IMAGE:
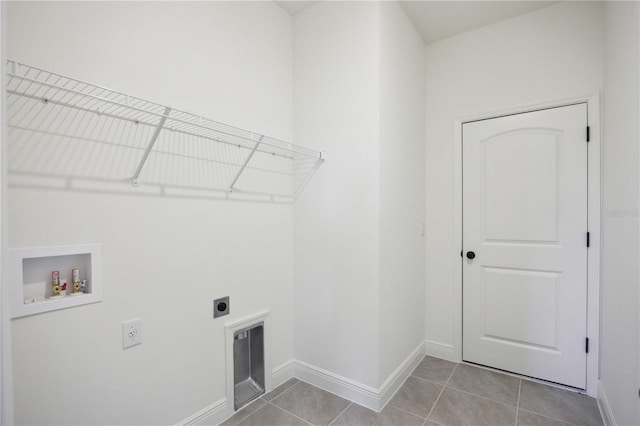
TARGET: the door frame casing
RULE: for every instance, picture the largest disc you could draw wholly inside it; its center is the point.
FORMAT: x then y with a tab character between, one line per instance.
593	213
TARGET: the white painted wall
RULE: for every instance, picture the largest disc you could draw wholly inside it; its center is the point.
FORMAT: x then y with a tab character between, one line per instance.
620	321
551	53
356	227
359	255
6	403
164	259
336	219
402	204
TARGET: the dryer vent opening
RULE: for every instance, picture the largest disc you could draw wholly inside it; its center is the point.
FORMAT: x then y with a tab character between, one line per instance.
248	364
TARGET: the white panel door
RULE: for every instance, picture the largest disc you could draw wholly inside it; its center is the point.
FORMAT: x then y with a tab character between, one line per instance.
525	220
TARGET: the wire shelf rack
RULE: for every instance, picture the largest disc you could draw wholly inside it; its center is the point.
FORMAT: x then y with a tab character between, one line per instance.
62	127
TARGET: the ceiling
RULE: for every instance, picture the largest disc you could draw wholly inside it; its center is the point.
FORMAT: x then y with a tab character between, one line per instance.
436	20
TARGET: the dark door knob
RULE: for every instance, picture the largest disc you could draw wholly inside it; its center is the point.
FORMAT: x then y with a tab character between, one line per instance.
471	255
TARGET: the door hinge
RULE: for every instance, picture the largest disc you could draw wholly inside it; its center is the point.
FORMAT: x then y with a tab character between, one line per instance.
588	240
586	345
588	133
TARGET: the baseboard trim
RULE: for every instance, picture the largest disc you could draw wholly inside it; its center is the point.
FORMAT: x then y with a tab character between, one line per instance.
219	411
605	407
439	350
398	377
282	373
213	414
367	396
350	389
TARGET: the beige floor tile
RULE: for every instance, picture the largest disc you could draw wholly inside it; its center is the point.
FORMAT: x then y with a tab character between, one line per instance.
416	396
561	404
270	415
525	418
311	403
357	415
487	384
461	408
280	389
434	369
244	412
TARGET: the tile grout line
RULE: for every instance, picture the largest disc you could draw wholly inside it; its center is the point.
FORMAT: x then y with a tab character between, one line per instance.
405	411
269	403
566	391
283	392
530	411
482	397
251	414
427	380
548	417
341	413
289	412
293	414
389	404
493	373
518	402
440	394
244	408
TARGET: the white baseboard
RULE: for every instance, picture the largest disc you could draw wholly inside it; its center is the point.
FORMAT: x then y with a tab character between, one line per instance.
212	415
282	373
439	350
352	390
397	378
605	407
219	411
367	396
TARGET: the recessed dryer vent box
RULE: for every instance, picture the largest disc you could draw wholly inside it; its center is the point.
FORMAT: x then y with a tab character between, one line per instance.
248	364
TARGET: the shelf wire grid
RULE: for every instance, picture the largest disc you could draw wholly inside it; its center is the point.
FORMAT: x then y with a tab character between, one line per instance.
63	127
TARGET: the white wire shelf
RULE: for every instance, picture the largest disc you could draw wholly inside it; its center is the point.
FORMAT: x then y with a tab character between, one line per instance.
62	127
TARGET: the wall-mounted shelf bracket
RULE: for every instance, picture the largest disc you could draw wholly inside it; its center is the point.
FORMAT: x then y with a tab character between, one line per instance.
244	166
153	140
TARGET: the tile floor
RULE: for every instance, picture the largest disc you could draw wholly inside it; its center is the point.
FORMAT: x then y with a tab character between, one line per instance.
438	392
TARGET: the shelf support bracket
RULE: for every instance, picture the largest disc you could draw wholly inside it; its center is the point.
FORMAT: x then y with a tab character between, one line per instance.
244	166
167	110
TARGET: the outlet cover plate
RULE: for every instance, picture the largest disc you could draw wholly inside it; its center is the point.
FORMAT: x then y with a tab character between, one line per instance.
131	333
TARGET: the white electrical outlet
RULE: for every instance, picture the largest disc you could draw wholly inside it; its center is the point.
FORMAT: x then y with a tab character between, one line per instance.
131	333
